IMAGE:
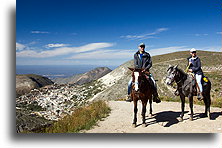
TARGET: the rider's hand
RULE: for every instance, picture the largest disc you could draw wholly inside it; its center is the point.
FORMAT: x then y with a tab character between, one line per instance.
190	70
143	70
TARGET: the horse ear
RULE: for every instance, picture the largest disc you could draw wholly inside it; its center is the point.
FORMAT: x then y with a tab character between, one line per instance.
175	66
169	67
132	69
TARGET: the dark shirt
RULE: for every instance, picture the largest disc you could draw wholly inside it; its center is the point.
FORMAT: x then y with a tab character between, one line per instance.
195	65
145	62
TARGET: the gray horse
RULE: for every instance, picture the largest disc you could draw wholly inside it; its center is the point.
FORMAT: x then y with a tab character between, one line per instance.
186	87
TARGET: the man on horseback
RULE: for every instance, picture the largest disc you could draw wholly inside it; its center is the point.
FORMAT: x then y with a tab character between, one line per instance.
143	60
194	66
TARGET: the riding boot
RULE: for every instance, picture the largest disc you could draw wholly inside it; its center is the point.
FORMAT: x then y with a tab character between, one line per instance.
129	99
200	96
155	93
156	97
177	92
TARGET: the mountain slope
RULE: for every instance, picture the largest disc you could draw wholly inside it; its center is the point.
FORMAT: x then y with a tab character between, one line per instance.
84	78
115	83
25	83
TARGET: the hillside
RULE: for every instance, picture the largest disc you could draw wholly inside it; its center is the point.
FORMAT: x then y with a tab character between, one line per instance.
85	77
115	83
25	83
40	107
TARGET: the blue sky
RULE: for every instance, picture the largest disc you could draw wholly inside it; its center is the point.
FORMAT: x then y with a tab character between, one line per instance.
107	32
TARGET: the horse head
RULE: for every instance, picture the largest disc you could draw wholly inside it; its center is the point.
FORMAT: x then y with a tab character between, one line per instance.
137	77
172	72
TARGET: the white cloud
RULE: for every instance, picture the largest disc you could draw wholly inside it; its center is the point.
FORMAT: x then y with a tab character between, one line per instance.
26	53
20	47
211	48
39	32
32	43
204	34
105	55
55	45
62	50
165	50
219	33
161	29
128	54
125	54
144	36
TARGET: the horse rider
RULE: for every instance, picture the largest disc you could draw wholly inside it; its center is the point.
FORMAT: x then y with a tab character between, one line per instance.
143	60
194	66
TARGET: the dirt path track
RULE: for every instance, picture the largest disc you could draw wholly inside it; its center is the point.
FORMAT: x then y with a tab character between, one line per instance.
164	119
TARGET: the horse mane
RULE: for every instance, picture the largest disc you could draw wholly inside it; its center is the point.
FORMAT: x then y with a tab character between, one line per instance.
182	73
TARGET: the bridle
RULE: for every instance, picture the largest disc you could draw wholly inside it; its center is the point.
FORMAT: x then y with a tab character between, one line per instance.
139	81
171	77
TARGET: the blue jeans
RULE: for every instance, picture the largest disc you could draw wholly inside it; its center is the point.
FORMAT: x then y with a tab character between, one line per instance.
129	86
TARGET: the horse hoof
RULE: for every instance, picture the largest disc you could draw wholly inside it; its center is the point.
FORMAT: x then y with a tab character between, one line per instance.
143	125
150	115
204	115
191	118
134	125
208	115
180	119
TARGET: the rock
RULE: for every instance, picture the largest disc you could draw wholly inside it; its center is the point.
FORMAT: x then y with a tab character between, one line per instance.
28	82
27	122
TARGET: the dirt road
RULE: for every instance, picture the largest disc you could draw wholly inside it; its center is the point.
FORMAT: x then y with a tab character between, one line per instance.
164	119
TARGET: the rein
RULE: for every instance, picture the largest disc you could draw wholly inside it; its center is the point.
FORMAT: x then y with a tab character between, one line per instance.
181	81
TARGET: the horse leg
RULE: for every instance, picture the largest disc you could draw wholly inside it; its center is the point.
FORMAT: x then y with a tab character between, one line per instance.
207	103
144	103
135	113
151	109
191	107
182	97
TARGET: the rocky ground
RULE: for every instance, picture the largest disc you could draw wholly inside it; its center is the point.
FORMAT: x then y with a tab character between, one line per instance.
50	103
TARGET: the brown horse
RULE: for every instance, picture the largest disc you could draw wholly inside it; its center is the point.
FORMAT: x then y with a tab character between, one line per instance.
141	90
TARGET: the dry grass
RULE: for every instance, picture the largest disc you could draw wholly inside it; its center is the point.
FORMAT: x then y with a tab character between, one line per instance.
81	119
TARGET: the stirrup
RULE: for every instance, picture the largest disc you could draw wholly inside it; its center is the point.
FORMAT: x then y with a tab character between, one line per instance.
176	93
199	96
129	99
156	99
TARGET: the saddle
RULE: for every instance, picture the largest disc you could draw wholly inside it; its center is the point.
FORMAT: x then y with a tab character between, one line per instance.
196	88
